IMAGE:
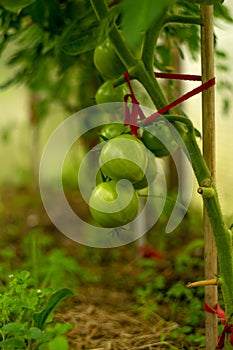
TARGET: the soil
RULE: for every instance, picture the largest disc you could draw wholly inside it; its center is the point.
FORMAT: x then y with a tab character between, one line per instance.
104	320
103	314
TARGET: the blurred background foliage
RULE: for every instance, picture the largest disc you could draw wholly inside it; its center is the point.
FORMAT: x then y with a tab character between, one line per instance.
48	72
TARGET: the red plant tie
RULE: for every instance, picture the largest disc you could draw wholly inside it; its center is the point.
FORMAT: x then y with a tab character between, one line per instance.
181	99
131	116
228	328
178	76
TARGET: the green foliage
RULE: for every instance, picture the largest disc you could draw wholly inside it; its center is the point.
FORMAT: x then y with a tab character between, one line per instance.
41	317
52	266
154	293
15	5
138	16
40	34
84	35
187	260
27	310
62	36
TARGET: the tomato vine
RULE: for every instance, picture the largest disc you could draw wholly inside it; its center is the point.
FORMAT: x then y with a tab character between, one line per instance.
143	71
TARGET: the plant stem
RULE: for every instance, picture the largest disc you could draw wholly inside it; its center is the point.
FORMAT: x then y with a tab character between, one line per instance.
182	19
222	234
151	85
149	45
121	48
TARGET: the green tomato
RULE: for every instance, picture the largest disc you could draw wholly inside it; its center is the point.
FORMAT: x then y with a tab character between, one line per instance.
107	62
114	204
124	157
109	131
151	138
108	93
15	5
151	172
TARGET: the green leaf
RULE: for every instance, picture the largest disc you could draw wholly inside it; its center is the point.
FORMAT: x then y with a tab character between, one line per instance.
12	328
15	5
35	333
138	16
59	343
85	34
41	317
221	11
13	343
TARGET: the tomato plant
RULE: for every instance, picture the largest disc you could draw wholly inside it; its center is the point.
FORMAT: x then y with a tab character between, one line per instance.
124	157
106	60
114	204
51	35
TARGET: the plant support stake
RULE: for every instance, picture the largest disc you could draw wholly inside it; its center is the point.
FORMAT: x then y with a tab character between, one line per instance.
208	130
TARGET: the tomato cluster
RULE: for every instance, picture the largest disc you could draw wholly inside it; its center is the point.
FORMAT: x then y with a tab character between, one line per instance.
126	166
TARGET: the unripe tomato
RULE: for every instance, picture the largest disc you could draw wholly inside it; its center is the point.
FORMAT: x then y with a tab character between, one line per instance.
153	143
114	204
151	172
108	93
109	131
107	62
124	157
15	5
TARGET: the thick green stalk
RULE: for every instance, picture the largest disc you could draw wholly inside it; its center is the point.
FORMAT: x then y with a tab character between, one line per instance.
151	38
222	234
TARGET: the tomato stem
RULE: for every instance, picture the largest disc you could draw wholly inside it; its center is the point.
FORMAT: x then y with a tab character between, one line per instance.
222	234
182	19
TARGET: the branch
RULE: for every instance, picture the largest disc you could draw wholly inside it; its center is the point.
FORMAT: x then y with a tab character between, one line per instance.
182	19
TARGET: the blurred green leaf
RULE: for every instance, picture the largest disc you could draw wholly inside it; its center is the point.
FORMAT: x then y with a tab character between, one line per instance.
59	343
223	12
138	16
41	317
85	34
12	343
15	5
